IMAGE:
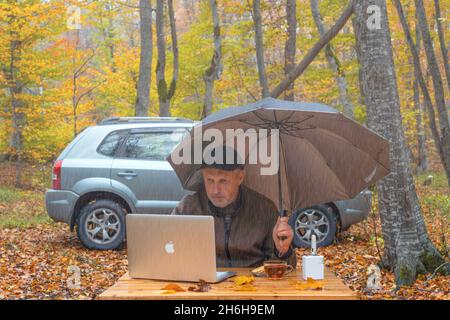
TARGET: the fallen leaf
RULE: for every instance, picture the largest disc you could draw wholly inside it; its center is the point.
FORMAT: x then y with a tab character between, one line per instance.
40	248
245	287
168	292
173	286
241	280
309	284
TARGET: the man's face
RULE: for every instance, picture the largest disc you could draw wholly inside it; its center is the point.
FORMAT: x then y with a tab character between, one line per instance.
222	187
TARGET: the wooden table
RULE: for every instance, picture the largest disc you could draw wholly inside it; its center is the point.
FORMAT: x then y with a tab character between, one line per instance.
334	289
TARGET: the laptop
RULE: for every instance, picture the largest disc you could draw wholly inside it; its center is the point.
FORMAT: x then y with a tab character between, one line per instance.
172	247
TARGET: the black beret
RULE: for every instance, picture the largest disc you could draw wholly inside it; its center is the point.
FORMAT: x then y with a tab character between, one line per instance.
236	162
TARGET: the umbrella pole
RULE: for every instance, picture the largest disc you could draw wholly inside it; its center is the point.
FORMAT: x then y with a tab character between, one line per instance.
280	196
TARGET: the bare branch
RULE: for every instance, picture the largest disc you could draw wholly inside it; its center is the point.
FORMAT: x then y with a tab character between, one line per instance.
306	61
88	92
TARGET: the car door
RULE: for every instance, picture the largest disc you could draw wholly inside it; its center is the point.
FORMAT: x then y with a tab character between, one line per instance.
140	169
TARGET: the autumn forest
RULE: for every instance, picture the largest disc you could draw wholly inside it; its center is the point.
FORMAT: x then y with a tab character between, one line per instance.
68	64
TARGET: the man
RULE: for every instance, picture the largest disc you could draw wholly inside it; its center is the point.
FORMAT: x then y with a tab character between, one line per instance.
248	228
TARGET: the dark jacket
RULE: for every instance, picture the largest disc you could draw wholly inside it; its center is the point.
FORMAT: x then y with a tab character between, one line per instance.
248	241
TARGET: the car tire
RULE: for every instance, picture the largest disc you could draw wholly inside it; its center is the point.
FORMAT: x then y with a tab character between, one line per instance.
101	225
319	220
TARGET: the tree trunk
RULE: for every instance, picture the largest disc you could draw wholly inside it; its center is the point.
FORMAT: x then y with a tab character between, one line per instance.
442	43
19	122
422	158
291	45
161	64
437	86
108	34
75	74
256	14
441	138
313	52
145	59
74	107
407	247
215	69
333	62
165	94
17	110
79	71
173	33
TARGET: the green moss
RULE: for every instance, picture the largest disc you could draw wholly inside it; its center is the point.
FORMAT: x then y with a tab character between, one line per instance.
421	269
432	260
405	276
162	90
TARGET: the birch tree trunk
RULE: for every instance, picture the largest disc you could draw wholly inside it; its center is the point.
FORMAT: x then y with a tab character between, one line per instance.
290	45
333	62
256	14
215	69
145	59
407	247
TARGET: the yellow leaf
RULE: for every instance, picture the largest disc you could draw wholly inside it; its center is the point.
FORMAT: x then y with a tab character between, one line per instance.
241	280
245	287
309	284
168	292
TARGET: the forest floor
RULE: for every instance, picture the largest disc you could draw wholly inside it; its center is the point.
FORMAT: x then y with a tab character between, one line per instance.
38	257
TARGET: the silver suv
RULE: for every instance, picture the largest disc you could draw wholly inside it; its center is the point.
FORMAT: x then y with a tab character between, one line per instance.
119	167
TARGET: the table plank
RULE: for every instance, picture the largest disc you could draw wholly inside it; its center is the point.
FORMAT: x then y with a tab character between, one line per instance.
266	289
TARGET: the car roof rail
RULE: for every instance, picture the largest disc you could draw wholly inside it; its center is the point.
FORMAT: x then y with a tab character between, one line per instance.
122	120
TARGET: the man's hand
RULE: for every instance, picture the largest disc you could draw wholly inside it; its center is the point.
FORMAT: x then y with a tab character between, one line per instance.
282	235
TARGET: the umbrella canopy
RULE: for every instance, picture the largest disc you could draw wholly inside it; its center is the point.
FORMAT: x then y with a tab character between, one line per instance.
323	155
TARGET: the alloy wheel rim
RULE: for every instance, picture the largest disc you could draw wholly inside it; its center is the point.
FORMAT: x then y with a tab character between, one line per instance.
312	221
102	226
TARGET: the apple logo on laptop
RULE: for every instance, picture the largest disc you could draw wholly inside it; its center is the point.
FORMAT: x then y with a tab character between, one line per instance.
170	247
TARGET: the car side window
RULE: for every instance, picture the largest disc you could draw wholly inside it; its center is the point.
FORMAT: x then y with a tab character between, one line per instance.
151	145
111	143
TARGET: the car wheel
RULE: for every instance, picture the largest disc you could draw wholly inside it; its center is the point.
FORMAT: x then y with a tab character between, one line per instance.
101	225
318	220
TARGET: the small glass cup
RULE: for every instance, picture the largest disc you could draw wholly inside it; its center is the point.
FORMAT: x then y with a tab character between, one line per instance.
276	269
